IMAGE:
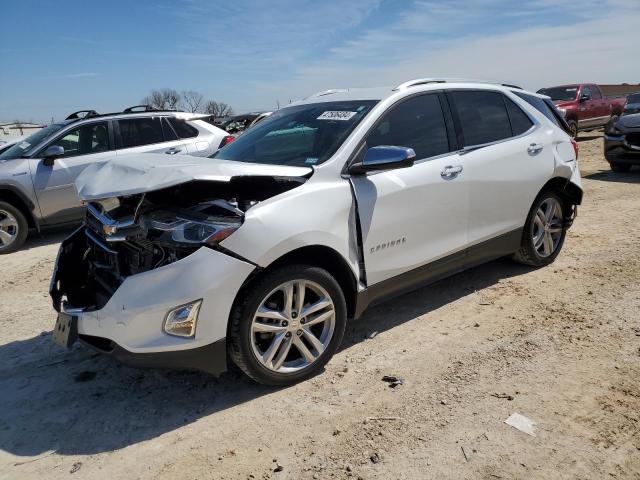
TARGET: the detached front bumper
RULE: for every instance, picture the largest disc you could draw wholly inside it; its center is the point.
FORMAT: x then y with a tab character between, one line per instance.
129	325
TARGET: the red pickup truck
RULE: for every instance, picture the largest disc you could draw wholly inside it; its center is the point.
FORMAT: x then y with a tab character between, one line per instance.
584	106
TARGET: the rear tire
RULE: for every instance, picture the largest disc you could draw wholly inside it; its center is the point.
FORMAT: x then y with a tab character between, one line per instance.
13	228
280	345
620	167
544	231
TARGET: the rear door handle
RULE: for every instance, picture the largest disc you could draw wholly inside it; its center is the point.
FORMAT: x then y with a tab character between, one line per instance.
451	171
172	151
534	148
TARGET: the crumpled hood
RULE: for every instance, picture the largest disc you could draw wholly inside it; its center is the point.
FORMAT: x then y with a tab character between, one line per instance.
146	172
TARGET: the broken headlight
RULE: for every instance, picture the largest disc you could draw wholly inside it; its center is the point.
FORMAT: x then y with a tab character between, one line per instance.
188	231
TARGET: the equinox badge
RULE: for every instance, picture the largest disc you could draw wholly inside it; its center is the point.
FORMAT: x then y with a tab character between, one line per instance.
392	243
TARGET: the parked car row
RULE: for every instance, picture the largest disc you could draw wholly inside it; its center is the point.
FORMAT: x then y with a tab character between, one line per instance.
37	174
584	106
260	253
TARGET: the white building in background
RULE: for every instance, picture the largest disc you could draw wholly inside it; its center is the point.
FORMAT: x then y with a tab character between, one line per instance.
13	130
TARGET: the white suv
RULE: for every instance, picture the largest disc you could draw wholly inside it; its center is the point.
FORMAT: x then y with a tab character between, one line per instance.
338	201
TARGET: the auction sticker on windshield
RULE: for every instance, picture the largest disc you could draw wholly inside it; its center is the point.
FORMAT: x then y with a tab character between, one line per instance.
337	115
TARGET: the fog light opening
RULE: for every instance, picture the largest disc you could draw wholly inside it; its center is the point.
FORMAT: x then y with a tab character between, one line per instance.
182	320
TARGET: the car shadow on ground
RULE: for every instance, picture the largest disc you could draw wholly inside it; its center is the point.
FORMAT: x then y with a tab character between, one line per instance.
81	402
591	136
632	176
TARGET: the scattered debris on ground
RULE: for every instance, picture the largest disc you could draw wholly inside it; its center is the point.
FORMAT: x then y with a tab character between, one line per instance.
502	395
521	423
393	380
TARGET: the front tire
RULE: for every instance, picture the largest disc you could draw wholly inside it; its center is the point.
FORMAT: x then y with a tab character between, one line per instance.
544	231
287	325
13	228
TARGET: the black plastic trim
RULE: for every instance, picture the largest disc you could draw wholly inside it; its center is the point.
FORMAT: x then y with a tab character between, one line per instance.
28	203
32	210
210	358
362	269
497	247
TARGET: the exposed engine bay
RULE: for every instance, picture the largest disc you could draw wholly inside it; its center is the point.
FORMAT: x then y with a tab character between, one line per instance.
124	236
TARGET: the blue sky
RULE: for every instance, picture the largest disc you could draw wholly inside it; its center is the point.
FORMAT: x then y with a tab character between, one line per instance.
61	56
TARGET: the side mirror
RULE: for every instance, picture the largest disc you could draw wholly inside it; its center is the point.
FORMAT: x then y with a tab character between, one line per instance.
51	153
383	158
584	97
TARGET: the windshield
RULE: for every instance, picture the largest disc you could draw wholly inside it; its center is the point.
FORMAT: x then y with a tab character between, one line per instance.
22	148
633	98
302	135
565	94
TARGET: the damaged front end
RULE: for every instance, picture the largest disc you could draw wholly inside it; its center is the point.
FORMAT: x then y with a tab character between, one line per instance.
128	235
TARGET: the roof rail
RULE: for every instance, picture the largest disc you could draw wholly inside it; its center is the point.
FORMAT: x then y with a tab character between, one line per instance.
87	114
424	81
419	81
144	108
331	91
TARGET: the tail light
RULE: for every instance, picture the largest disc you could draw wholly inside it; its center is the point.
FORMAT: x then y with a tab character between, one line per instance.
226	141
575	147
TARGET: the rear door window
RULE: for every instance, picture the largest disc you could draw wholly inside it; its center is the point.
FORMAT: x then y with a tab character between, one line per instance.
482	116
135	132
416	123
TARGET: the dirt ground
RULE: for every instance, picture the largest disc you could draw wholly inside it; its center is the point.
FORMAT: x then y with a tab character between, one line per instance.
560	345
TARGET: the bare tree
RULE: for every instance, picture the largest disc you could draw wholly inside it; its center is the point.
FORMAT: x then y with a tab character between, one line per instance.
155	100
172	98
192	101
217	109
165	99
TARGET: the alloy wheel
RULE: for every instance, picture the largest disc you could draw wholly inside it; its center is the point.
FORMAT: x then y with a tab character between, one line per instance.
8	229
293	326
547	227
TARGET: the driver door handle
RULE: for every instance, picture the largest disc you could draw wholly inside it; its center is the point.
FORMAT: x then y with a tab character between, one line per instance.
173	151
451	171
534	148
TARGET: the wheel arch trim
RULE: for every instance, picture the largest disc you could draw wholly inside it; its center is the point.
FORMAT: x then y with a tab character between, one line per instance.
565	188
14	196
320	256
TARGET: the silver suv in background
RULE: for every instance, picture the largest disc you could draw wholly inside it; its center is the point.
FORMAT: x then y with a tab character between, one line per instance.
37	174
